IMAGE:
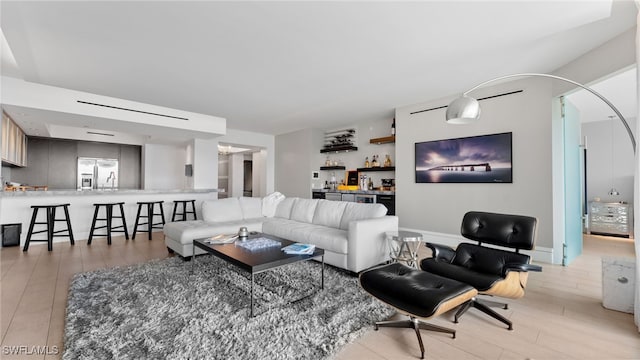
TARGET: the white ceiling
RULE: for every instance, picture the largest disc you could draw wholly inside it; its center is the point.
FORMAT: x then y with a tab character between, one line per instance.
620	89
276	67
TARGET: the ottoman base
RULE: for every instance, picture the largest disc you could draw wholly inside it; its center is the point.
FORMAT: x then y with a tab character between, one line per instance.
415	324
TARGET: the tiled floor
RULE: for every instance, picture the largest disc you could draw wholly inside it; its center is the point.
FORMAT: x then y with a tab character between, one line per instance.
560	317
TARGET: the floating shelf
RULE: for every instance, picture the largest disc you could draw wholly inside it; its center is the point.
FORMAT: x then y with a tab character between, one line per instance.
379	168
383	140
339	140
339	148
332	168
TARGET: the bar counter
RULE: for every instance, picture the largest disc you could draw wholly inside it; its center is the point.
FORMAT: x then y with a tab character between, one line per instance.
15	207
106	192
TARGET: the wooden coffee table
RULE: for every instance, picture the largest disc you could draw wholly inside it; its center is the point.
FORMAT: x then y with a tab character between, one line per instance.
256	261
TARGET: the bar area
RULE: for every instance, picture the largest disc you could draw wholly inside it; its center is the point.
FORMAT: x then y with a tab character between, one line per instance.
16	207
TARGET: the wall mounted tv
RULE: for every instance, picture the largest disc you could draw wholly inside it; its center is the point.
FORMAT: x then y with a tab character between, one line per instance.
475	159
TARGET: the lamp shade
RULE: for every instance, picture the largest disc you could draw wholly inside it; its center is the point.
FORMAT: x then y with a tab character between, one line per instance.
463	110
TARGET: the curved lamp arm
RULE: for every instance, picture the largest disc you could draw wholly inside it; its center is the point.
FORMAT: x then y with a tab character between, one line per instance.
467	107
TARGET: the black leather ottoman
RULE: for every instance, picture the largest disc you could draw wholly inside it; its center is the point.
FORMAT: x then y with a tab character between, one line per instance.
417	294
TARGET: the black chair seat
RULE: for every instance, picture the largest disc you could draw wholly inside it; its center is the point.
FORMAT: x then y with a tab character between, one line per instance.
416	292
480	281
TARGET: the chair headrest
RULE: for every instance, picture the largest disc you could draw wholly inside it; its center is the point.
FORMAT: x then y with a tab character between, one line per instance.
512	231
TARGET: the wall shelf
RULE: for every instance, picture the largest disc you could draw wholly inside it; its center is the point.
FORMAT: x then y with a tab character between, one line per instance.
332	167
339	140
379	168
383	140
338	149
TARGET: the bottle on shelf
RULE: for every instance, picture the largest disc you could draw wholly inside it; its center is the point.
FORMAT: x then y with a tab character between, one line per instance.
366	162
327	162
375	162
387	161
370	185
393	127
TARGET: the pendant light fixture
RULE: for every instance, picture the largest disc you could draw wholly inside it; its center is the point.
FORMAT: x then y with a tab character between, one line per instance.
613	191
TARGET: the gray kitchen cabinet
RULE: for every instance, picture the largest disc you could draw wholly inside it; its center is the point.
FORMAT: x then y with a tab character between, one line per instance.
62	164
14	143
129	167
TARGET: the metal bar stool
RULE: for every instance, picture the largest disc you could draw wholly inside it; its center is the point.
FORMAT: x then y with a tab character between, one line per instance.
150	205
185	211
109	216
50	213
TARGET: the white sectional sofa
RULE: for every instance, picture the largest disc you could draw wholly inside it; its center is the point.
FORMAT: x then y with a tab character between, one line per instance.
351	234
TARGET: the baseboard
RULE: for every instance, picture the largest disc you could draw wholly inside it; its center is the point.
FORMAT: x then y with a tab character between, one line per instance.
539	254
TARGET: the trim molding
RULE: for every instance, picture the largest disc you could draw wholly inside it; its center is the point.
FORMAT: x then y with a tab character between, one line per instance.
538	254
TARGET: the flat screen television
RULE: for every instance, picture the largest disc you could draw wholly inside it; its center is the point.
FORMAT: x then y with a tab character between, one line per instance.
475	159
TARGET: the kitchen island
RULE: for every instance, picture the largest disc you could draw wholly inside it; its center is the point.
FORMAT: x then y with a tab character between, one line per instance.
15	206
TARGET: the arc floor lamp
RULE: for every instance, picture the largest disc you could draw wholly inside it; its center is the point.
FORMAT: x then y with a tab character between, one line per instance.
466	110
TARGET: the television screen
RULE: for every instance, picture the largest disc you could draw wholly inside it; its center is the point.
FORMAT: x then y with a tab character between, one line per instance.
475	159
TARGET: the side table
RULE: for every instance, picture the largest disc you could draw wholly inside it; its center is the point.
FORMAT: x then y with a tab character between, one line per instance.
403	246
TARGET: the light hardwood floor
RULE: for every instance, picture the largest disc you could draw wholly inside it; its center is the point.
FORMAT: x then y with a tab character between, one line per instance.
560	317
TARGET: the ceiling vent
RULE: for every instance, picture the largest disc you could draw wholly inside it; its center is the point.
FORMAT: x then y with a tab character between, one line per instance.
132	110
97	133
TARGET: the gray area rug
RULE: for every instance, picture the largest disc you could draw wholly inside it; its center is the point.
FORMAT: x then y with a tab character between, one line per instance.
160	310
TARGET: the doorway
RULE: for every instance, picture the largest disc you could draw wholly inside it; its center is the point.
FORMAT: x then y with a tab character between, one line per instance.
241	170
609	170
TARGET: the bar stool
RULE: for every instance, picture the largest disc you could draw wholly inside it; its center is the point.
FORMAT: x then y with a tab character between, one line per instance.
150	205
109	216
50	212
184	211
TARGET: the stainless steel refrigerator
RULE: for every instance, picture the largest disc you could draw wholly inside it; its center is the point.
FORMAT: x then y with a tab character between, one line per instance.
97	174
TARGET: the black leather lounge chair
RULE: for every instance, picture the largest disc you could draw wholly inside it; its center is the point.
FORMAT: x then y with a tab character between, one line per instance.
491	271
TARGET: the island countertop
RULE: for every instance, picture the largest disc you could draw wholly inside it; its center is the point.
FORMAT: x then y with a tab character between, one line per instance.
74	192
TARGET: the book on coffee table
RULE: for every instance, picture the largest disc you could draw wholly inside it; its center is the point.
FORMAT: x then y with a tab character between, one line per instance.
299	249
221	239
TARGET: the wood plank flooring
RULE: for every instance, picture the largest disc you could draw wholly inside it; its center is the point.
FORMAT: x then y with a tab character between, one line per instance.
560	317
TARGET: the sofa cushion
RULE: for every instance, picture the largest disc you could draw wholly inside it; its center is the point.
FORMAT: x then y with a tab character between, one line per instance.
329	213
284	208
270	203
330	239
251	207
303	210
358	211
221	210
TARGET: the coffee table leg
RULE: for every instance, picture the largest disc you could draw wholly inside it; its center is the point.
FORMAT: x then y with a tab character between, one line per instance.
322	283
251	294
193	255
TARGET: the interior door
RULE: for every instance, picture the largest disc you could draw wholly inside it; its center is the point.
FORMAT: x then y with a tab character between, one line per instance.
572	183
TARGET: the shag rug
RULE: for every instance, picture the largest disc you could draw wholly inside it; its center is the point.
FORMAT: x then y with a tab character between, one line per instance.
159	310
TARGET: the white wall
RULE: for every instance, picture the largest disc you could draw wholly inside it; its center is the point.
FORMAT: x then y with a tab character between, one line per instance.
439	208
603	165
236	175
205	164
258	173
163	167
297	154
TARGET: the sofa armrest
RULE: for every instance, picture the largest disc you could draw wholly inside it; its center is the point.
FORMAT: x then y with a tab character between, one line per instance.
367	244
441	252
